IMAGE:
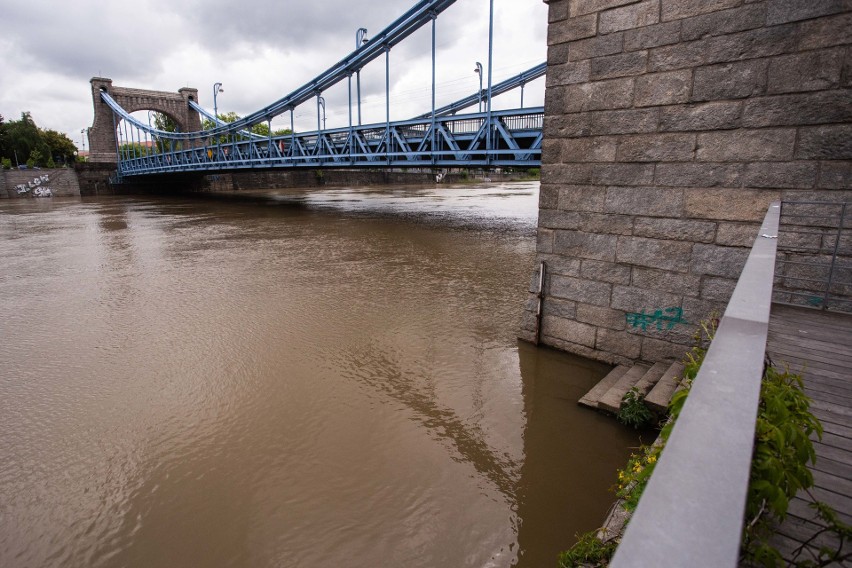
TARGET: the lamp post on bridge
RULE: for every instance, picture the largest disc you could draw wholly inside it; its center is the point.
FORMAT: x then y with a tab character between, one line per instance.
360	39
478	71
217	88
320	104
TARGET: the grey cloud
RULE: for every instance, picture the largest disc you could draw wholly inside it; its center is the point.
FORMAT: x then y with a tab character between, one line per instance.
84	38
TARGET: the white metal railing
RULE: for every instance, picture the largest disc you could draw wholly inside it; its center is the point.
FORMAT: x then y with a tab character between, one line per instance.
691	512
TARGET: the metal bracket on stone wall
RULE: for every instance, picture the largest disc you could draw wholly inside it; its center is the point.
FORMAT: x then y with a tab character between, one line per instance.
540	297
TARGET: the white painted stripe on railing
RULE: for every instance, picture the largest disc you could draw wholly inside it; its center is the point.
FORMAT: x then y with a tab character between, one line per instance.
691	512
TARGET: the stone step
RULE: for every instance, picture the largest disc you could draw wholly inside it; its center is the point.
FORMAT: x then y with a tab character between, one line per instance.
660	396
611	399
591	398
652	377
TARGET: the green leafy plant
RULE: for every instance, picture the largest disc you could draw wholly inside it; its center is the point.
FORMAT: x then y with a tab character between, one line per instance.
589	549
635	475
633	411
782	451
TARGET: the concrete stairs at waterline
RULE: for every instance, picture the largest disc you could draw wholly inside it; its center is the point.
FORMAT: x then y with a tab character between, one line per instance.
656	382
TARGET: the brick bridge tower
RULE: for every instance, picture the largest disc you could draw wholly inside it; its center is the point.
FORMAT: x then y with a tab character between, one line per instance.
102	137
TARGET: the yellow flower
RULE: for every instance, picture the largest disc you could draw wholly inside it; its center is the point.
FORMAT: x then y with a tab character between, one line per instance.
652	459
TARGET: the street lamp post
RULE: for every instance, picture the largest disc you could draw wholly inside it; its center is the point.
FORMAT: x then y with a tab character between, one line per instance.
83	138
217	88
360	39
478	71
320	105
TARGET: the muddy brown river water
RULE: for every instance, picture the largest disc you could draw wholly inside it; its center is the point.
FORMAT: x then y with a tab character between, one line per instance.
318	378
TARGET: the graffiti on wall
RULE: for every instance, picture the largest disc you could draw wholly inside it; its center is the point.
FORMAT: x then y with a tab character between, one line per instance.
661	318
36	186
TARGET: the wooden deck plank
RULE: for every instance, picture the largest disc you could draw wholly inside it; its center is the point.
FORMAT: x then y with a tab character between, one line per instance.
832	453
828	360
818	345
828	384
832	409
801	508
821	318
834	483
830	395
844	430
832	439
831	466
815	338
799	365
802	530
783	325
811	337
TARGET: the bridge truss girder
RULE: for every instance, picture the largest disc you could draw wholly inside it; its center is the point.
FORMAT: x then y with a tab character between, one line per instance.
513	139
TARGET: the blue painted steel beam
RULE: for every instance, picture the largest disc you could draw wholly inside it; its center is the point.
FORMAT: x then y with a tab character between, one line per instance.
460	140
419	15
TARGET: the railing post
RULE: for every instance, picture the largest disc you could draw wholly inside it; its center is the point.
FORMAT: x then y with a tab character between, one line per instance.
837	238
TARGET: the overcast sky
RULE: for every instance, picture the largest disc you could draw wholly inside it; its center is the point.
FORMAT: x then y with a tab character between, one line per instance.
261	50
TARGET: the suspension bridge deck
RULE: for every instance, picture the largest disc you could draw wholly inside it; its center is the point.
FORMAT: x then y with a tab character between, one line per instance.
819	345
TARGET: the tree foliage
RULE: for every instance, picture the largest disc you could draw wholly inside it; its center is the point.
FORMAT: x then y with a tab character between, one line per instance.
261	128
168	124
22	141
61	147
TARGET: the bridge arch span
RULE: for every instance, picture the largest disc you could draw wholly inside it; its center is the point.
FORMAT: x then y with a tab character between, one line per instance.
102	134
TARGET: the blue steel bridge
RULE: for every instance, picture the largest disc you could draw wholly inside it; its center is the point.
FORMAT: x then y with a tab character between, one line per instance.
445	137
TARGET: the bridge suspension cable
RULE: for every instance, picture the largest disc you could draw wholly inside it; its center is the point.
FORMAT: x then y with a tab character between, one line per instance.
518	80
419	15
440	138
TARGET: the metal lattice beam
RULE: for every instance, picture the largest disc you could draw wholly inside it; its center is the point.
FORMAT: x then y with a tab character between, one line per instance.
460	140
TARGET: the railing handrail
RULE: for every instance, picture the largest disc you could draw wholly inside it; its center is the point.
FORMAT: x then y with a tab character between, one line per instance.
691	512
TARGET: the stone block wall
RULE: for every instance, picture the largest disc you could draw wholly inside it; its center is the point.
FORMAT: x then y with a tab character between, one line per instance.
93	177
62	182
670	125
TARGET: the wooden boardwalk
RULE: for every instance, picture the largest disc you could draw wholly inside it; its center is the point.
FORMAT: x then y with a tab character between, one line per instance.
819	344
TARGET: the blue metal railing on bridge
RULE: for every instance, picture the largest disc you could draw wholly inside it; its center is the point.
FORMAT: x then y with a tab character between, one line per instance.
436	139
454	141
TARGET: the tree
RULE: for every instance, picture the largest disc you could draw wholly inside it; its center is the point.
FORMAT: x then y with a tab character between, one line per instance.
133	150
165	122
261	128
2	136
61	147
168	124
22	138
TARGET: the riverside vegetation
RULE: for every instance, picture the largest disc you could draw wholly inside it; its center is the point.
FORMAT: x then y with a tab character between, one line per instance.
780	459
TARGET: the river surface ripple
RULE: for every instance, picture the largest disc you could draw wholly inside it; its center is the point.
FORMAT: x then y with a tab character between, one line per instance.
303	378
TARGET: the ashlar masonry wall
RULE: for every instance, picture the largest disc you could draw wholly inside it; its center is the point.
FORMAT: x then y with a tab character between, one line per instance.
670	125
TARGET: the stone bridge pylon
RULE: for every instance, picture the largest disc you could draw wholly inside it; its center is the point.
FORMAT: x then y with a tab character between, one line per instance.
102	134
